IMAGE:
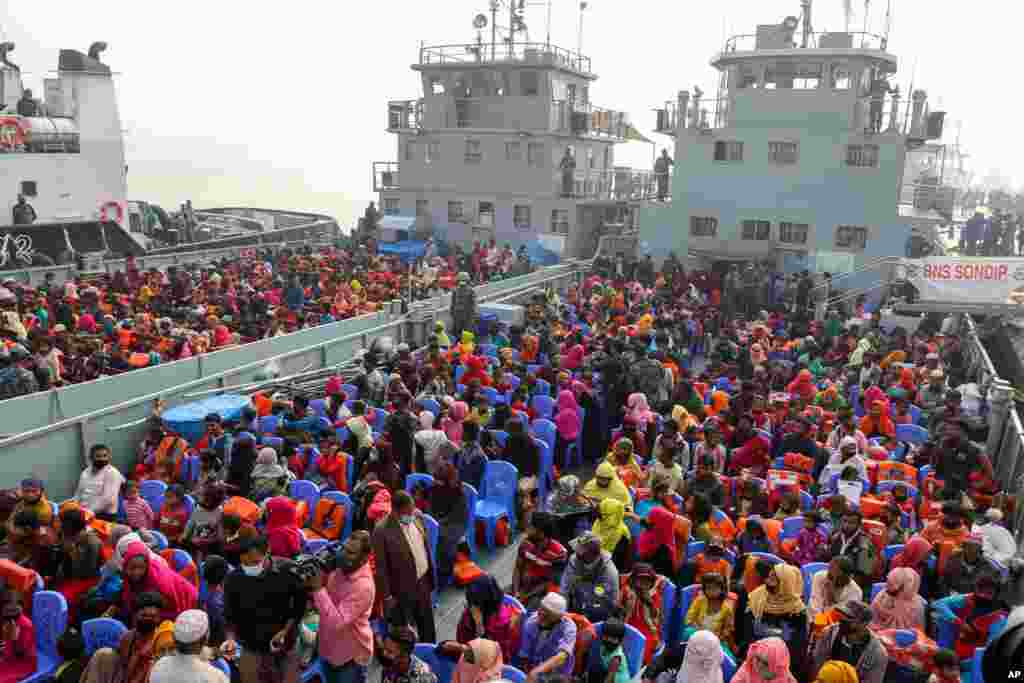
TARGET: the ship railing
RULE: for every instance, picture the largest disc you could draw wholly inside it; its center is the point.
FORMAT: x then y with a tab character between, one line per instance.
620	183
666	118
877	264
577	118
385	175
929	196
405	114
706	113
541	54
859	40
881	113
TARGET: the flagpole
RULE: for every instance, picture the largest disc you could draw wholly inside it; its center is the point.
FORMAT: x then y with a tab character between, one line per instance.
579	40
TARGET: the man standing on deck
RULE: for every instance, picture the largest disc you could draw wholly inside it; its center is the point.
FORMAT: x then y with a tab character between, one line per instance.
661	166
463	307
23	213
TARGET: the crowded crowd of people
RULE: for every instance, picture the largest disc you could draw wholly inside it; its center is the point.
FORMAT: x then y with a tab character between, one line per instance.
59	334
692	492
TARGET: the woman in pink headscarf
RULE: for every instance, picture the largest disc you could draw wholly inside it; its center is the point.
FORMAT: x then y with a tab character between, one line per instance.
573	358
87	323
639	410
144	572
702	662
567	420
767	662
452	425
899	605
283	535
221	336
481	661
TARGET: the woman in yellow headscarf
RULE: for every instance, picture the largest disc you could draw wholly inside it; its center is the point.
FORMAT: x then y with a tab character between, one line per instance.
834	671
683	419
623	459
776	604
610	526
442	337
606	484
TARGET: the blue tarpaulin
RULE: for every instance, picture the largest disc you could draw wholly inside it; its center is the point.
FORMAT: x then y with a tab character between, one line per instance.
187	420
539	255
408	250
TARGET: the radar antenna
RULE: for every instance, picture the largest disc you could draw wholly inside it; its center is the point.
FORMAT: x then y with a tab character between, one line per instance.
5	48
96	48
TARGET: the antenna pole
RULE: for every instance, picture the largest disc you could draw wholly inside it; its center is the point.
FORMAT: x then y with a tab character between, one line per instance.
511	28
494	28
548	44
579	40
864	33
910	97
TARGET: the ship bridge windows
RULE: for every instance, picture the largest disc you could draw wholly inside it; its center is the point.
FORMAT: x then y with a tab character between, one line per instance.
793	233
521	216
485	214
779	76
862	156
853	237
807	76
703	226
745	76
756	230
529	83
560	221
391	206
783	153
840	77
473	153
436	86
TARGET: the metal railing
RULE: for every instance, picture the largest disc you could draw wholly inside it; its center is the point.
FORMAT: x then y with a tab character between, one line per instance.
405	114
881	113
541	54
666	118
850	40
575	118
615	184
927	196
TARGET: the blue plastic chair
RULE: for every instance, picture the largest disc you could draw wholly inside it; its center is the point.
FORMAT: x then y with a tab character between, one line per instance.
904	637
533	368
492	396
977	673
180	559
343	499
633	645
668	608
443	667
543	405
50	617
313	546
319	407
380	416
223	667
500	437
307	491
153	491
418	478
684	598
791	527
489	350
914	434
892	551
102	632
545	430
471	497
460	370
806	501
514	381
542	388
876	588
190	504
500	484
808	571
275	442
161	540
433	533
729	666
431	405
351	391
510	673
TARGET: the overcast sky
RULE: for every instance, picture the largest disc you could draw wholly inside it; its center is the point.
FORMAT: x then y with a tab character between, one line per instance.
283	105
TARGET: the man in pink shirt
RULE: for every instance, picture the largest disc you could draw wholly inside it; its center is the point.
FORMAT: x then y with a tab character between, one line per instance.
346	639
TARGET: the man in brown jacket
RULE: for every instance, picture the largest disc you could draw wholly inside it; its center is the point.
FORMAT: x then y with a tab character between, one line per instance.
405	571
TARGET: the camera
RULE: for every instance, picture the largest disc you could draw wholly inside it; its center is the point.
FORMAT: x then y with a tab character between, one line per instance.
325	561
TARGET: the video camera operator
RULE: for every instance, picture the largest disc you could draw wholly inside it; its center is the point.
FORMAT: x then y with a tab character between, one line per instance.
344	597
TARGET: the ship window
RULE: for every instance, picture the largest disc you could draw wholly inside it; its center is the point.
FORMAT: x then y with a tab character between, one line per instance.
757	230
29	188
746	76
840	77
436	86
521	216
851	237
793	233
391	206
560	221
728	150
422	207
529	83
433	151
779	76
590	157
455	214
473	154
782	153
607	156
513	151
535	154
703	226
485	214
862	156
808	77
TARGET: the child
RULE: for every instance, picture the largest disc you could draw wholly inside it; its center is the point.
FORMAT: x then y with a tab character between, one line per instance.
712	610
215	571
71	648
210	467
204	532
947	667
174	515
359	426
712	561
137	511
809	541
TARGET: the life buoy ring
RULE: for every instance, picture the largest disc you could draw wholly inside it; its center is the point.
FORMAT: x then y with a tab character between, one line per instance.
116	208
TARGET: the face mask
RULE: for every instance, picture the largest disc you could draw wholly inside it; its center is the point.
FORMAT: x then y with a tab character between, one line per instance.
146	626
252	569
406	519
100	464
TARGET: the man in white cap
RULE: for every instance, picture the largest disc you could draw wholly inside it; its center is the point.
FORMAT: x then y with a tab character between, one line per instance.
191	632
548	640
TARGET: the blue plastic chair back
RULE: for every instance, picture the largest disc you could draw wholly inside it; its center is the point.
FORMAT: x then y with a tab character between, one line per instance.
511	600
319	407
267	424
302	489
343	499
668	606
102	632
545	430
510	673
380	416
460	370
50	618
543	405
905	637
431	405
180	559
911	434
791	527
315	545
514	381
729	666
542	388
501	480
418	479
351	391
190	504
492	396
533	368
876	588
471	499
161	540
500	437
433	533
694	548
977	673
633	645
152	491
806	501
685	598
891	551
808	571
